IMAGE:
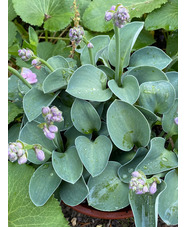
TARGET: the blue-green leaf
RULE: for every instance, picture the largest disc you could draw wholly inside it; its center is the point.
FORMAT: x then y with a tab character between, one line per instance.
43	183
173	79
127	126
58	62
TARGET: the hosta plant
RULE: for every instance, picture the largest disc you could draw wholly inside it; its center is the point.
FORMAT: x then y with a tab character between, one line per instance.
106	131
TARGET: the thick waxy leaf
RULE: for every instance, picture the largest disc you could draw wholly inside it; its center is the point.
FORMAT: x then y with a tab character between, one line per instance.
13	111
32	134
99	42
33	102
73	194
58	62
13	132
145	207
157	96
150	116
173	79
43	183
129	92
128	36
56	80
108	71
22	212
55	14
168	203
166	17
127	126
67	165
124	172
122	157
158	159
150	56
93	17
146	73
107	192
89	82
84	117
168	122
94	155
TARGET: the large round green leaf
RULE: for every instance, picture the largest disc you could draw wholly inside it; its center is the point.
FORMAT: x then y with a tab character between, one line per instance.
173	79
99	42
67	165
84	117
128	36
145	207
73	194
107	192
168	122
168	203
32	134
129	92
89	83
55	14
158	159
58	62
157	96
146	73
43	183
150	56
94	154
127	126
124	172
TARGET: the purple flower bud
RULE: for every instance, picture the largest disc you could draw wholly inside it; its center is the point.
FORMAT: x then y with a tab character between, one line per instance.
153	188
113	8
12	156
108	15
22	159
145	189
20	152
22	52
25	54
53	128
76	34
45	110
136	174
40	154
29	75
36	63
121	16
139	192
54	110
176	120
48	134
90	45
49	117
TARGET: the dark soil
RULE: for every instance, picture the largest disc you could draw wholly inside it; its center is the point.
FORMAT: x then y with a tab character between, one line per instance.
80	220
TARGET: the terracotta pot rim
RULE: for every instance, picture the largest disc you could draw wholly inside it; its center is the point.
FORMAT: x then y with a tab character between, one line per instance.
85	209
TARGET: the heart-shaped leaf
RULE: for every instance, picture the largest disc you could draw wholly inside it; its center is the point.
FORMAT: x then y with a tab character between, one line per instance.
145	207
124	172
33	102
168	122
67	165
55	14
107	192
127	126
128	36
99	42
94	155
173	79
56	80
43	183
89	86
157	96
146	73
158	159
79	189
150	56
32	134
168	203
58	62
84	117
129	92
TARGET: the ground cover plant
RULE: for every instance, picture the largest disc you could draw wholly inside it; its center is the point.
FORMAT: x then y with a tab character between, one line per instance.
93	109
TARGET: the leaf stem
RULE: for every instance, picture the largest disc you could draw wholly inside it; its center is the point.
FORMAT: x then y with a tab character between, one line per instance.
46	35
15	72
91	56
58	142
117	39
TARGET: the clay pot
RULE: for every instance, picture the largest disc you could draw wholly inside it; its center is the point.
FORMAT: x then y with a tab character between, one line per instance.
89	211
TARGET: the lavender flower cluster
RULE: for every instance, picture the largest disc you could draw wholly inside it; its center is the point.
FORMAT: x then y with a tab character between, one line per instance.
139	184
17	152
119	14
76	34
25	54
51	115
